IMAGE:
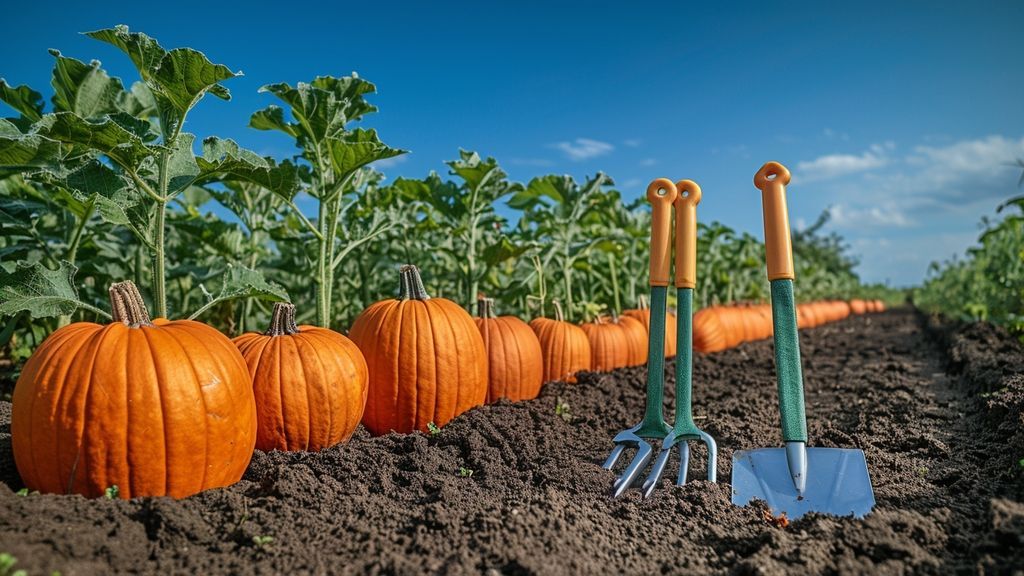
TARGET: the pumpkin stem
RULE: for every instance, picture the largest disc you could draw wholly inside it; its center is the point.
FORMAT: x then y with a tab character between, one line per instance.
127	305
558	310
411	284
642	304
485	307
282	320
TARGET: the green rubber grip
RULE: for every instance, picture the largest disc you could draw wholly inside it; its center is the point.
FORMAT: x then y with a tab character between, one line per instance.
787	362
653	424
684	427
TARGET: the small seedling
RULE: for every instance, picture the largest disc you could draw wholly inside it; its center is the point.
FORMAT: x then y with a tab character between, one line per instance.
922	471
1020	463
434	429
465	472
262	542
112	493
22	492
7	563
562	410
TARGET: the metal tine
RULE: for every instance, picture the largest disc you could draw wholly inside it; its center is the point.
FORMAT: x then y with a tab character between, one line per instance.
684	462
632	472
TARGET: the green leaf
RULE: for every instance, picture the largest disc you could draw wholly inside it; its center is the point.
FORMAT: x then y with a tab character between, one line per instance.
242	282
139	102
182	168
272	118
84	89
227	160
40	291
116	136
27	152
25	100
356	149
504	249
348	91
317	112
185	75
145	52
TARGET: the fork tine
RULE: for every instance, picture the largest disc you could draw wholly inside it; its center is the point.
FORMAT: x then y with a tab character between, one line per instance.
633	470
613	457
656	471
712	457
684	462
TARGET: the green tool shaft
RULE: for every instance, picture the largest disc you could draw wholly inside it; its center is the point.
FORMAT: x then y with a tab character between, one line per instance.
787	362
653	425
684	427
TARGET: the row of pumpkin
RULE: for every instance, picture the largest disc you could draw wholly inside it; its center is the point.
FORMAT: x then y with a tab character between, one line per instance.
174	407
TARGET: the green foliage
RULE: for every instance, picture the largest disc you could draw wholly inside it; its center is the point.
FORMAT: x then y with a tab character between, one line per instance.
7	563
262	541
434	429
562	410
987	284
106	186
112	492
465	472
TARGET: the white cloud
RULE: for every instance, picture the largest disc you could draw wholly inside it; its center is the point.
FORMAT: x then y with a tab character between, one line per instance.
833	135
835	165
648	162
632	143
583	149
390	162
874	216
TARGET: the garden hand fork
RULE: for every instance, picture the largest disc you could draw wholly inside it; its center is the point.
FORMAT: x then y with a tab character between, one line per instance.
685	429
661	193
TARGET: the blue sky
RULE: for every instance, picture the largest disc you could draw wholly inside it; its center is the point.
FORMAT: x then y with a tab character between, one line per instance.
901	118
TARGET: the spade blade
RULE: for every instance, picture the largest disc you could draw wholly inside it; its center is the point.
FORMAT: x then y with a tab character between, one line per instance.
837	482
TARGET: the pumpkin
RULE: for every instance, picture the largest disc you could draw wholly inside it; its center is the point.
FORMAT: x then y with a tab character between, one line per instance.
565	347
636	340
426	358
514	359
309	382
879	306
160	408
608	346
858	306
708	333
643	313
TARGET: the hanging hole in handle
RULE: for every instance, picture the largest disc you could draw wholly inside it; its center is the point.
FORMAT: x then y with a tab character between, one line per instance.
662	192
686	193
771	176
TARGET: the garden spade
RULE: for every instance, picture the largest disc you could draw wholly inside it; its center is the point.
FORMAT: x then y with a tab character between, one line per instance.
661	193
685	429
794	480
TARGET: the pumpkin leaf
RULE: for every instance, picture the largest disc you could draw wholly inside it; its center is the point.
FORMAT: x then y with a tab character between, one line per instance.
84	89
224	159
41	292
30	151
242	282
356	149
25	100
118	136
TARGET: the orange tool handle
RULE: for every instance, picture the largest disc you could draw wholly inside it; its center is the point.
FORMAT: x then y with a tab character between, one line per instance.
686	233
771	179
661	193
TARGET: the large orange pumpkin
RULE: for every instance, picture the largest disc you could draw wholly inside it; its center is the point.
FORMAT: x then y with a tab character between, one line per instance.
608	346
643	314
858	306
514	359
160	408
310	383
426	358
565	347
879	306
636	340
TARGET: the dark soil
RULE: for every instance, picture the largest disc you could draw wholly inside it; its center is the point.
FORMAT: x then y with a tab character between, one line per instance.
936	409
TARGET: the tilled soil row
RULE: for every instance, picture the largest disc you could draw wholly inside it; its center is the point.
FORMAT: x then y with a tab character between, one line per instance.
518	488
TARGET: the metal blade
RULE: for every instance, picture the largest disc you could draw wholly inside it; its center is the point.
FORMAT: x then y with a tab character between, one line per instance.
837	482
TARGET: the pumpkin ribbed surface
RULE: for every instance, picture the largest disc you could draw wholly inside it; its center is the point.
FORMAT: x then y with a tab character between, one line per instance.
643	314
425	356
565	347
310	384
514	359
157	409
636	340
708	333
608	347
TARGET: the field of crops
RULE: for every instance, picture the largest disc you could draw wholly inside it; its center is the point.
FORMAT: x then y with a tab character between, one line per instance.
215	361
